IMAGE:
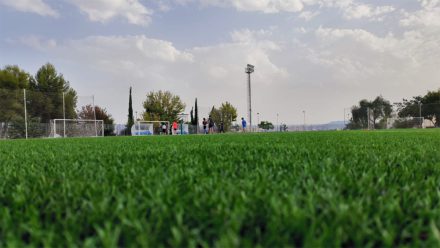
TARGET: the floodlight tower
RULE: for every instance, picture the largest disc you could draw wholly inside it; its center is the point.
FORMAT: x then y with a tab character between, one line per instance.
250	69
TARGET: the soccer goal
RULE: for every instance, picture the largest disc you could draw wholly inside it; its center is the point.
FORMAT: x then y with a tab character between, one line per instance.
76	128
407	122
145	128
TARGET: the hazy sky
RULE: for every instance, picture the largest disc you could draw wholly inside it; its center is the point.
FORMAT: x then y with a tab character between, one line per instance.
320	56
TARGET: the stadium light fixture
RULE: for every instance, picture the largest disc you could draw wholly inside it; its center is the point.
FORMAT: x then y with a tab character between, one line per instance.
249	70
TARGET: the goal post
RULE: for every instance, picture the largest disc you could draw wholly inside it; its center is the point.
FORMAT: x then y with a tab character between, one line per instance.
371	125
146	128
76	128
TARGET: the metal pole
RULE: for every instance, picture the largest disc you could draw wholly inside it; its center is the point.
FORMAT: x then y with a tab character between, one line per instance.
258	122
250	101
94	114
249	70
25	113
278	128
368	118
420	114
138	124
64	117
304	112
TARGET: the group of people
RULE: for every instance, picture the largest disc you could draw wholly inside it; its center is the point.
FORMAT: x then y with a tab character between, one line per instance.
208	125
174	128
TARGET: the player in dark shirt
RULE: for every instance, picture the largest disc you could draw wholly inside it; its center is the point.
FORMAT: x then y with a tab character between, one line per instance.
210	125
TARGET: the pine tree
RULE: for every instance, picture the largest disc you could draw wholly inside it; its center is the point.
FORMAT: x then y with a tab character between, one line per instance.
130	121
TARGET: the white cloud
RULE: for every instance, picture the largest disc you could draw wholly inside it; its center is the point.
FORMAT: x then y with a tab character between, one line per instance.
31	6
268	6
428	16
104	10
125	48
359	36
36	42
364	57
265	6
351	9
308	15
358	11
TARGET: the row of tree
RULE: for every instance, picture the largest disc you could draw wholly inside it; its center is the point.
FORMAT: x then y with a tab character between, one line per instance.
44	98
378	111
45	93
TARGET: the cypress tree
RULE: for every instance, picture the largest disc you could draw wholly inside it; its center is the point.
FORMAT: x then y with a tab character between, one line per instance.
130	121
196	115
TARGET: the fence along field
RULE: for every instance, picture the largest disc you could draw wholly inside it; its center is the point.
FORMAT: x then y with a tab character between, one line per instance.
34	114
359	188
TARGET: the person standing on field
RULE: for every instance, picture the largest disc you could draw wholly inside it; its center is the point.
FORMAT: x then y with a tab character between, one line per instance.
243	124
222	127
174	127
164	128
205	124
211	125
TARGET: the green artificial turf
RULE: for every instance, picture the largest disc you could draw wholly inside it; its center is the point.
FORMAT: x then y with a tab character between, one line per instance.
272	190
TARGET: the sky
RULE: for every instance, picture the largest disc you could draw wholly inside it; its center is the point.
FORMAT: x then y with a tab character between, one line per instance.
317	56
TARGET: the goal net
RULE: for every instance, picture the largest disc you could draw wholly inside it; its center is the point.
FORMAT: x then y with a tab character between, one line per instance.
76	128
406	122
145	128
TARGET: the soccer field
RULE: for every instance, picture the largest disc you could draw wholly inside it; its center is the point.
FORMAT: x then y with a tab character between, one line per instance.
277	189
